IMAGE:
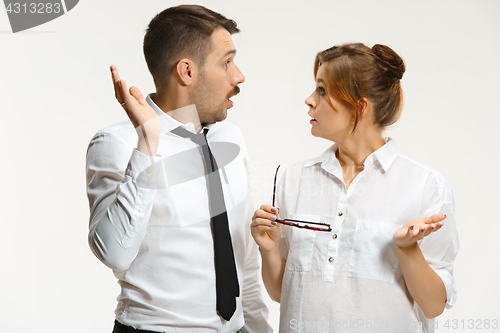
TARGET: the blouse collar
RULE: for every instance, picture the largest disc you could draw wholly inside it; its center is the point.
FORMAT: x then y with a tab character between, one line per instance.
385	155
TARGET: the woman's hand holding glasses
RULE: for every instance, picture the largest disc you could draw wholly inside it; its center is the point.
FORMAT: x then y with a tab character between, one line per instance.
265	230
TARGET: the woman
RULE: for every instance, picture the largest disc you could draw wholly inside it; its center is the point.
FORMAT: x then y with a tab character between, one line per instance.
374	270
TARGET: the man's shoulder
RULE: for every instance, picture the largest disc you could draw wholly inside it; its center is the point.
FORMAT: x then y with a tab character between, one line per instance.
119	129
226	131
224	126
121	133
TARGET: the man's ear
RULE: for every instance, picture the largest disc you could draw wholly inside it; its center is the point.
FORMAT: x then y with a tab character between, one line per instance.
186	70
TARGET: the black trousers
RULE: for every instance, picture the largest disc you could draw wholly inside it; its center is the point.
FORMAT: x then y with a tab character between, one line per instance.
120	328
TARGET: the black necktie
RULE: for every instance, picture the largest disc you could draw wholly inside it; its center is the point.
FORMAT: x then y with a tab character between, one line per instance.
226	278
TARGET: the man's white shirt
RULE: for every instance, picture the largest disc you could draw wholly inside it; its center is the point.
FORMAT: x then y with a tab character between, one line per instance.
150	223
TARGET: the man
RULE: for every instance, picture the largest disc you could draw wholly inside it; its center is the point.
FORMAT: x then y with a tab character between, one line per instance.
169	192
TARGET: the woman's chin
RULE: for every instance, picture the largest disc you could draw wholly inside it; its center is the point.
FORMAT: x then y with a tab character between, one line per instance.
315	132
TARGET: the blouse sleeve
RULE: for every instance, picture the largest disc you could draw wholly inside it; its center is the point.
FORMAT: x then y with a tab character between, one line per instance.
440	248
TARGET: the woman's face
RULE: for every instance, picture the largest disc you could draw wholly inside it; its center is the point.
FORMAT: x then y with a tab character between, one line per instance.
329	123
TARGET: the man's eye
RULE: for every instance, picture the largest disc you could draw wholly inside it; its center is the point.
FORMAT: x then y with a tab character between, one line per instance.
226	63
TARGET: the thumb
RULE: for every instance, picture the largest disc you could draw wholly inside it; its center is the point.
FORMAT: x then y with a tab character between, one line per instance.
434	218
134	91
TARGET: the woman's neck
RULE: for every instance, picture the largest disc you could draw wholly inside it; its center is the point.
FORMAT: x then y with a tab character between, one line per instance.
354	150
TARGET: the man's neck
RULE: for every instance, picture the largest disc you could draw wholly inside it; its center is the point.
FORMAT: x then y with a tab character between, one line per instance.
178	110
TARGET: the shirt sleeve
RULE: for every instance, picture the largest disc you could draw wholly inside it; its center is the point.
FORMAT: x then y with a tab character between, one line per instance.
440	248
254	309
120	188
281	201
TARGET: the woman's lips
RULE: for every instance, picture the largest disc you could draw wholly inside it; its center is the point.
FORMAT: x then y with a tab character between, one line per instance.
312	121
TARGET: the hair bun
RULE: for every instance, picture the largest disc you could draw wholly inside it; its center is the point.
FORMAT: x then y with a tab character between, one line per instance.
391	59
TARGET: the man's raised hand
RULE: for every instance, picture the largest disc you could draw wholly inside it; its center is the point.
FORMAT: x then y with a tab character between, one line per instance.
143	117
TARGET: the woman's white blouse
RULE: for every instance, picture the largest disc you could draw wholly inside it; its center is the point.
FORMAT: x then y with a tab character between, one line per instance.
349	279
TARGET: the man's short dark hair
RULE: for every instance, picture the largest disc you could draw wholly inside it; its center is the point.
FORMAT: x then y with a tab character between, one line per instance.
178	32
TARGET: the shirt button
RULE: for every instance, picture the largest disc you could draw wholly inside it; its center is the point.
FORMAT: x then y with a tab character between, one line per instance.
330	259
149	170
334	236
139	209
340	213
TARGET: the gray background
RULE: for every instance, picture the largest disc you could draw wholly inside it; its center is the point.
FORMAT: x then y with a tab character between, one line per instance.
56	92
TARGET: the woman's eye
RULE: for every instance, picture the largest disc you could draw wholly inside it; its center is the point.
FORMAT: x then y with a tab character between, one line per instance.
321	90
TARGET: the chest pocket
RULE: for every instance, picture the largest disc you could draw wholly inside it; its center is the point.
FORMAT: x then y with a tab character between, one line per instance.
373	253
301	248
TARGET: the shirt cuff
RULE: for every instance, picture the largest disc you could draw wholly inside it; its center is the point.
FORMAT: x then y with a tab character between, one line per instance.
450	286
144	169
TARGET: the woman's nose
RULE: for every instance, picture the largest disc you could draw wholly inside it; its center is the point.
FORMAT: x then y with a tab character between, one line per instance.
310	101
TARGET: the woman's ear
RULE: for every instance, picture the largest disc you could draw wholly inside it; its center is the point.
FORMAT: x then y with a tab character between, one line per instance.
362	107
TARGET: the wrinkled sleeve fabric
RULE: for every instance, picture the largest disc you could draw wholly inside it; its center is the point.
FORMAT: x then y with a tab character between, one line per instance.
281	200
120	188
440	248
255	310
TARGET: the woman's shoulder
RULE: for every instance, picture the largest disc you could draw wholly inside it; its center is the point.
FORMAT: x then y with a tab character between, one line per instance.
325	157
308	167
298	167
433	177
419	166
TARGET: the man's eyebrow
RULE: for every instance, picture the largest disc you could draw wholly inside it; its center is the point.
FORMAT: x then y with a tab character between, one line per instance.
233	51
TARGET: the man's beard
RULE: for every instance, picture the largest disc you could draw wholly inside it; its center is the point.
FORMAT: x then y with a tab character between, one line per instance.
210	110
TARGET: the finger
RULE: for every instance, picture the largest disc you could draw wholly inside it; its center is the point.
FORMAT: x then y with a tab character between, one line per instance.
136	93
409	232
259	219
417	230
262	224
123	91
428	229
269	208
127	98
439	226
434	218
115	77
259	213
435	227
114	73
127	103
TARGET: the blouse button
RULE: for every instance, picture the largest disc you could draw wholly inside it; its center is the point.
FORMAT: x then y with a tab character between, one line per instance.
139	209
340	213
330	259
334	236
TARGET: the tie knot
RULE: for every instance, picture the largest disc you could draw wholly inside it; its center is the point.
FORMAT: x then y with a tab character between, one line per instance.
200	138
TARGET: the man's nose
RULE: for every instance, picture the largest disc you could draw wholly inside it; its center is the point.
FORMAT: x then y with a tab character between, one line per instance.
239	77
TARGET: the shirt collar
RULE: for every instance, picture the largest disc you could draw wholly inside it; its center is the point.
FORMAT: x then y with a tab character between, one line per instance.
385	155
167	122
